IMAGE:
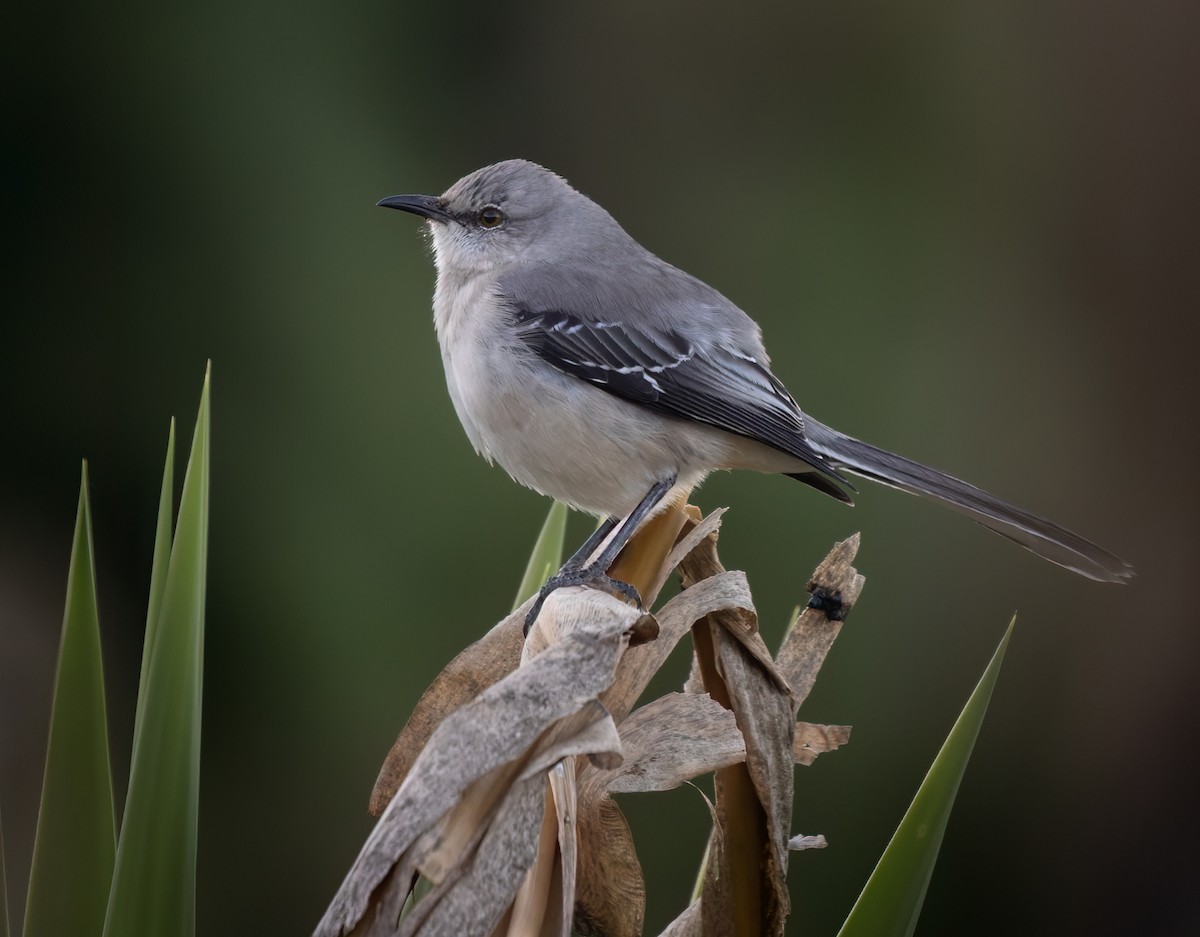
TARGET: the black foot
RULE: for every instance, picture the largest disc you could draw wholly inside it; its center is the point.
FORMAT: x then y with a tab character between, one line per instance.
591	576
828	602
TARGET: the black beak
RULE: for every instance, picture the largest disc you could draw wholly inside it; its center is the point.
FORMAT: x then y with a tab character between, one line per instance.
427	206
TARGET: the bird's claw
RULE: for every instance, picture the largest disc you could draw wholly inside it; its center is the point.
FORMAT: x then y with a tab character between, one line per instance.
592	578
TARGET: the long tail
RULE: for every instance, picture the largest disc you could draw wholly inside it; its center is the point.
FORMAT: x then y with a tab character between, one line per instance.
1046	539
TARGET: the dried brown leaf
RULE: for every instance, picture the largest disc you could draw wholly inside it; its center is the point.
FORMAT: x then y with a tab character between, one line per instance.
532	908
809	639
731	900
610	900
590	731
813	740
695	530
564	789
474	902
764	713
745	888
438	852
740	622
545	902
639	664
671	740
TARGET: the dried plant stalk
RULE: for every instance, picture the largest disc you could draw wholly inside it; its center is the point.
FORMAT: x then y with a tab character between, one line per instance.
812	634
754	798
498	790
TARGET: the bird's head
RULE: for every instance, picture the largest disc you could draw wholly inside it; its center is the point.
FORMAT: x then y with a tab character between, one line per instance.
509	212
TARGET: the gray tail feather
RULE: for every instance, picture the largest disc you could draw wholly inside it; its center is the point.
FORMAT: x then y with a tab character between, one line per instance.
1040	536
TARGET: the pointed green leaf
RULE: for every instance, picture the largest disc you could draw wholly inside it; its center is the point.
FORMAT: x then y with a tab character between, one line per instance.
547	553
3	889
890	902
154	884
76	831
158	576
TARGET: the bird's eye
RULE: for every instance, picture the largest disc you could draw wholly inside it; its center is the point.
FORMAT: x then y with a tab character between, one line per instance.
491	217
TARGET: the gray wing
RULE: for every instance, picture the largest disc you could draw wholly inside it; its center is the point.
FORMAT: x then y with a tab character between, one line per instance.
719	376
662	370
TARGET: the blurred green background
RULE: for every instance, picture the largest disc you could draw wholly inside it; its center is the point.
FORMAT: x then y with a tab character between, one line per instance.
968	233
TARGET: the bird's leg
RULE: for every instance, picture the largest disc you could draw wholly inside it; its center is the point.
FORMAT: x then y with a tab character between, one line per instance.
574	573
580	556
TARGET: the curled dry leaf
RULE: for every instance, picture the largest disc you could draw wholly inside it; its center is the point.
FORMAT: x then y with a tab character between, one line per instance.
675	619
671	740
813	740
745	886
696	531
489	738
563	795
809	639
540	896
474	901
610	897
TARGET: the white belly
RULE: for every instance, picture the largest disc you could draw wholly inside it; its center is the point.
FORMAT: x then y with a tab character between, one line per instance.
568	440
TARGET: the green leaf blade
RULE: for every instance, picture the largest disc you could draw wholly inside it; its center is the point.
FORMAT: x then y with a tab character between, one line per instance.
890	902
158	576
74	849
154	883
547	553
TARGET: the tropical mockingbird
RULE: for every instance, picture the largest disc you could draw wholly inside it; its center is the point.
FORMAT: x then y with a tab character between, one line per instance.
604	377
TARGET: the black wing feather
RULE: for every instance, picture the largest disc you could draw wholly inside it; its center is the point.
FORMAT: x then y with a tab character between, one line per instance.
665	372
